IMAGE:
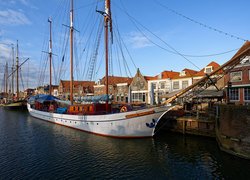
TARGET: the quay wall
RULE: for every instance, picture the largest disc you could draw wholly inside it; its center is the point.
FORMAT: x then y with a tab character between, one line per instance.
233	129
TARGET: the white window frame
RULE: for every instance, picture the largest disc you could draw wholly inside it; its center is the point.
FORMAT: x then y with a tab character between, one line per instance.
182	84
232	89
162	85
233	77
183	73
208	67
247	100
176	85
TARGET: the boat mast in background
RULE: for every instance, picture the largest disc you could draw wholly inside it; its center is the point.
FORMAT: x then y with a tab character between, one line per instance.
17	71
71	53
50	55
12	70
6	78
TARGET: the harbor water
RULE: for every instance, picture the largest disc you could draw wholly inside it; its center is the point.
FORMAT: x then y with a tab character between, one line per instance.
34	149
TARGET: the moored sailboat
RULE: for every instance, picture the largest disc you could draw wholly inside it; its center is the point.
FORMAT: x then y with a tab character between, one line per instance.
15	103
98	118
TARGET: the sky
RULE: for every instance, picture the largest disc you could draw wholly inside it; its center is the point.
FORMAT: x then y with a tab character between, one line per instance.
152	35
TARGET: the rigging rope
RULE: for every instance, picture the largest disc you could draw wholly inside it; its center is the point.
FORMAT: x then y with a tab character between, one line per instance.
199	23
186	55
134	21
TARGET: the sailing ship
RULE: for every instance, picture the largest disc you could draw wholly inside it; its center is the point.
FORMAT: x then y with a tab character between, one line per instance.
15	103
97	118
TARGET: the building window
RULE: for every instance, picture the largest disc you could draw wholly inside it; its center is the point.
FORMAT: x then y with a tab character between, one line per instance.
162	85
182	73
153	85
234	94
117	98
236	76
208	69
176	85
138	97
247	94
184	84
122	98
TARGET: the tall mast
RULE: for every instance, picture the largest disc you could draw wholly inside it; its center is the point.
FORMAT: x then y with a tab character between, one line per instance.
71	53
17	72
12	69
107	20
6	78
50	56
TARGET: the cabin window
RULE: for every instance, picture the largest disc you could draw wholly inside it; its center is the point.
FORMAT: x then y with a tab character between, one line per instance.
184	84
247	94
234	94
236	76
176	85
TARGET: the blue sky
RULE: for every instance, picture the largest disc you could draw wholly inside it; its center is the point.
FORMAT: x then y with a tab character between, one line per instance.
143	26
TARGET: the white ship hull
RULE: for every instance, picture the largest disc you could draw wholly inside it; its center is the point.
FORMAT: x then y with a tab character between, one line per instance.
133	124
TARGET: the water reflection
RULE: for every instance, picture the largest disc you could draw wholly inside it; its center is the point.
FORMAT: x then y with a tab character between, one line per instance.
38	149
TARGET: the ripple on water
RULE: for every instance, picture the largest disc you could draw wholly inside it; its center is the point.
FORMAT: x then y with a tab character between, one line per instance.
34	149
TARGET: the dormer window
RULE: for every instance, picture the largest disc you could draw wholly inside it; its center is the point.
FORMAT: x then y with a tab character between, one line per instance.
208	69
183	73
245	60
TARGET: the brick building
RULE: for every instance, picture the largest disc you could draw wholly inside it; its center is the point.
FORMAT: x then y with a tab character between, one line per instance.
118	87
238	80
80	88
139	88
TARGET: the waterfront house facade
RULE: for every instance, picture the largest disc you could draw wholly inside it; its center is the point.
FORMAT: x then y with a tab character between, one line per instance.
118	88
160	86
207	70
80	88
238	83
139	88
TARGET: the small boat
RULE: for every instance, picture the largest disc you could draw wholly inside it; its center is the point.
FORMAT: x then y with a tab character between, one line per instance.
16	105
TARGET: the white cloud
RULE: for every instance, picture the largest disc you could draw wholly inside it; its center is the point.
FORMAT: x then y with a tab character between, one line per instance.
25	2
5	51
11	17
138	40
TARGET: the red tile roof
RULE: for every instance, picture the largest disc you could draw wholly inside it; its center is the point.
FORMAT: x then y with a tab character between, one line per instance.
163	75
85	84
213	64
148	78
188	73
113	80
168	74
